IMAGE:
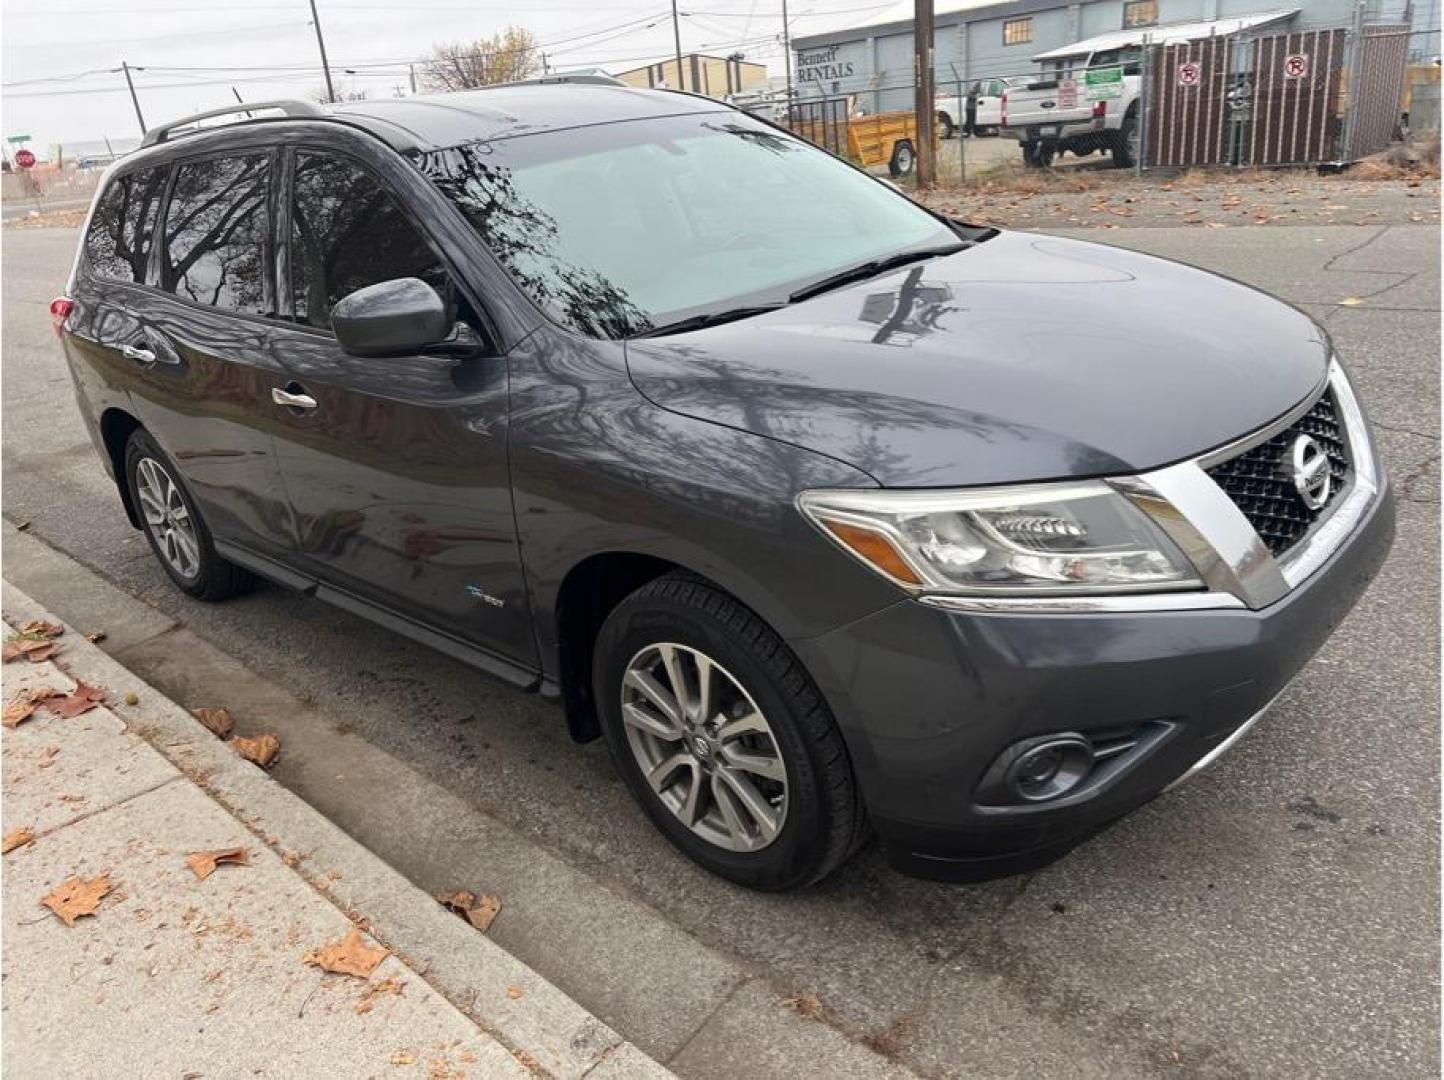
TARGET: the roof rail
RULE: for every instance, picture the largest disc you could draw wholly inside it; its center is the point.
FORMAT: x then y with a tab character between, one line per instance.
580	77
288	107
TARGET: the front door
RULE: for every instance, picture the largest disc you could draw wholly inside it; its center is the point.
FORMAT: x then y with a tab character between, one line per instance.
396	467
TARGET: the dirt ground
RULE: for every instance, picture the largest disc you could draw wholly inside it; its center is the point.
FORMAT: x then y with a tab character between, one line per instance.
1105	198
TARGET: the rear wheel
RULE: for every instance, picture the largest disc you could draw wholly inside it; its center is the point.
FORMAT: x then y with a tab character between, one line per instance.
1037	154
946	127
177	534
720	735
1126	145
904	159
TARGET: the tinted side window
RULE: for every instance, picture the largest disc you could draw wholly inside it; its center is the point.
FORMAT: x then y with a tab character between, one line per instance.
215	233
347	233
123	225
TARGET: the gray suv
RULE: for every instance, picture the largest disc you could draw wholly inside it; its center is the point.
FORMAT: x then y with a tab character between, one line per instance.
834	517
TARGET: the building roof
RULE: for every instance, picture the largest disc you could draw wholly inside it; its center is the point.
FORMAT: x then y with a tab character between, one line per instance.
1185	31
673	60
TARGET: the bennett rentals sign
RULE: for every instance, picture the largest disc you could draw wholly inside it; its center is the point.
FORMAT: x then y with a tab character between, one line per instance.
823	65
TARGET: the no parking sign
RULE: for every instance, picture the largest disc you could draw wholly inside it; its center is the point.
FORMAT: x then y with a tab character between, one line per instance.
1189	74
1296	66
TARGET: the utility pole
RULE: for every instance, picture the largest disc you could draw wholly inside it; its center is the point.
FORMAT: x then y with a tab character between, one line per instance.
787	58
677	40
411	71
321	41
923	105
133	99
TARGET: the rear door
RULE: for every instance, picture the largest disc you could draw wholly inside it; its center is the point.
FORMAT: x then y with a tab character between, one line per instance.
397	471
183	298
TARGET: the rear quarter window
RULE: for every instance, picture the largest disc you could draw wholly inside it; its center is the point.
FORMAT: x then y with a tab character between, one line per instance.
122	229
216	233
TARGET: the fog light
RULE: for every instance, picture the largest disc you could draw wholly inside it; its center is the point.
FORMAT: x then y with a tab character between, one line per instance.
1051	768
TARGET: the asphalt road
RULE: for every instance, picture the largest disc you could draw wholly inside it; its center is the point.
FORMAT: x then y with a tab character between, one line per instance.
1278	917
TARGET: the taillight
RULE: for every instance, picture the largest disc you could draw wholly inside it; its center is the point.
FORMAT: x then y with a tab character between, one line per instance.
1003	107
1100	110
60	309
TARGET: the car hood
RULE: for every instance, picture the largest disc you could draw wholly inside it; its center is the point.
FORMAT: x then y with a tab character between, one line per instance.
1022	358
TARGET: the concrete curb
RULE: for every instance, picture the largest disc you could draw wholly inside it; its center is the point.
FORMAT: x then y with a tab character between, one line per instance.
543	1026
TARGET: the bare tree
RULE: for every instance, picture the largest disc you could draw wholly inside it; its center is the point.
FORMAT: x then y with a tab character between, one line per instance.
461	65
342	94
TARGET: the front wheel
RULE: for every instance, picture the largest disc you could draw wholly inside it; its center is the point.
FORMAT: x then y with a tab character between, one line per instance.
719	733
177	534
946	127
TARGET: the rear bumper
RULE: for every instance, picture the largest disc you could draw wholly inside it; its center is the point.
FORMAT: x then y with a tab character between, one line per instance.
928	700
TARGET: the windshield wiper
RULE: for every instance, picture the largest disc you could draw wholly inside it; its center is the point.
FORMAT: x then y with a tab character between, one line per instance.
872	268
709	318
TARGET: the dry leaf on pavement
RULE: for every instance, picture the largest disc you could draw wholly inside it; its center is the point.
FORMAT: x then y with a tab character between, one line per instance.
216	721
262	749
42	628
75	897
204	863
23	704
82	699
16	838
349	956
480	911
34	649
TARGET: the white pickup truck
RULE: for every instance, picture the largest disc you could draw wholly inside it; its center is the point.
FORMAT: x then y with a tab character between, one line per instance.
953	108
1053	113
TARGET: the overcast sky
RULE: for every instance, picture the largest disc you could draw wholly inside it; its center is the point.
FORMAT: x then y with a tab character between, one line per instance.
193	53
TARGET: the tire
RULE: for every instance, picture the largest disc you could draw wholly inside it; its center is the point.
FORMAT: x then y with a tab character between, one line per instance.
756	676
1037	154
194	566
946	127
904	159
1125	145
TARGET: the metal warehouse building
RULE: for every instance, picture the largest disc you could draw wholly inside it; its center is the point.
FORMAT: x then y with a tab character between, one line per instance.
978	39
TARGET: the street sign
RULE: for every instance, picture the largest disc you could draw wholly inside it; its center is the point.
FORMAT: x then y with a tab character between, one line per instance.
1067	93
15	140
1296	66
24	158
1100	84
1189	74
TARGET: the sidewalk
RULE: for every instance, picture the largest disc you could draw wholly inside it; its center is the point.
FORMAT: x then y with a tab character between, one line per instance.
180	975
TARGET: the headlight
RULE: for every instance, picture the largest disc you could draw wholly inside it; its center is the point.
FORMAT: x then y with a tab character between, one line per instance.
1039	538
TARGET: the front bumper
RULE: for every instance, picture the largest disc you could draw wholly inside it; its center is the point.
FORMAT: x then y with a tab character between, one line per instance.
928	699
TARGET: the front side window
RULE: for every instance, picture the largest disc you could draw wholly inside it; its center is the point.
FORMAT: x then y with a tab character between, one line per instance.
216	233
1140	13
622	227
123	226
1017	31
347	233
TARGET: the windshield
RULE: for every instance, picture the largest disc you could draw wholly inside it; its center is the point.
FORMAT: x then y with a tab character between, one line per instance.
619	228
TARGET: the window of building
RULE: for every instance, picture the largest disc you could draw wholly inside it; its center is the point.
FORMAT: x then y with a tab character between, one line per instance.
123	225
1140	13
216	233
347	233
1017	31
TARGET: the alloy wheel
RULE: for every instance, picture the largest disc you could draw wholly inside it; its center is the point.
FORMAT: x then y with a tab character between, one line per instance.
704	747
166	517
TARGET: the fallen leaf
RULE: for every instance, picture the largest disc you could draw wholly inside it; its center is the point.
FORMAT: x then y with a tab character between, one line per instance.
375	990
403	1057
204	863
217	721
132	698
23	704
459	901
515	992
34	649
42	628
262	749
22	526
80	700
75	897
349	956
95	638
484	913
16	838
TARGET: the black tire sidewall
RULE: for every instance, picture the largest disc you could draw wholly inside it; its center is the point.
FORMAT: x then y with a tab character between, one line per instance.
141	445
639	622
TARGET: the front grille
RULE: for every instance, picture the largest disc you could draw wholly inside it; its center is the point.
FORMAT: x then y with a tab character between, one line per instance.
1260	484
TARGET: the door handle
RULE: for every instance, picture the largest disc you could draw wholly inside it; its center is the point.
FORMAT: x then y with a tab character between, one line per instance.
133	352
295	401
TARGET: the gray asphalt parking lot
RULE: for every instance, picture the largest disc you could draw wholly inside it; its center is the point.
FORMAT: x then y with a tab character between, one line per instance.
1276	917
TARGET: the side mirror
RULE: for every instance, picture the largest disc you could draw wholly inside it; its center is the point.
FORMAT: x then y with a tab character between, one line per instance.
390	318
